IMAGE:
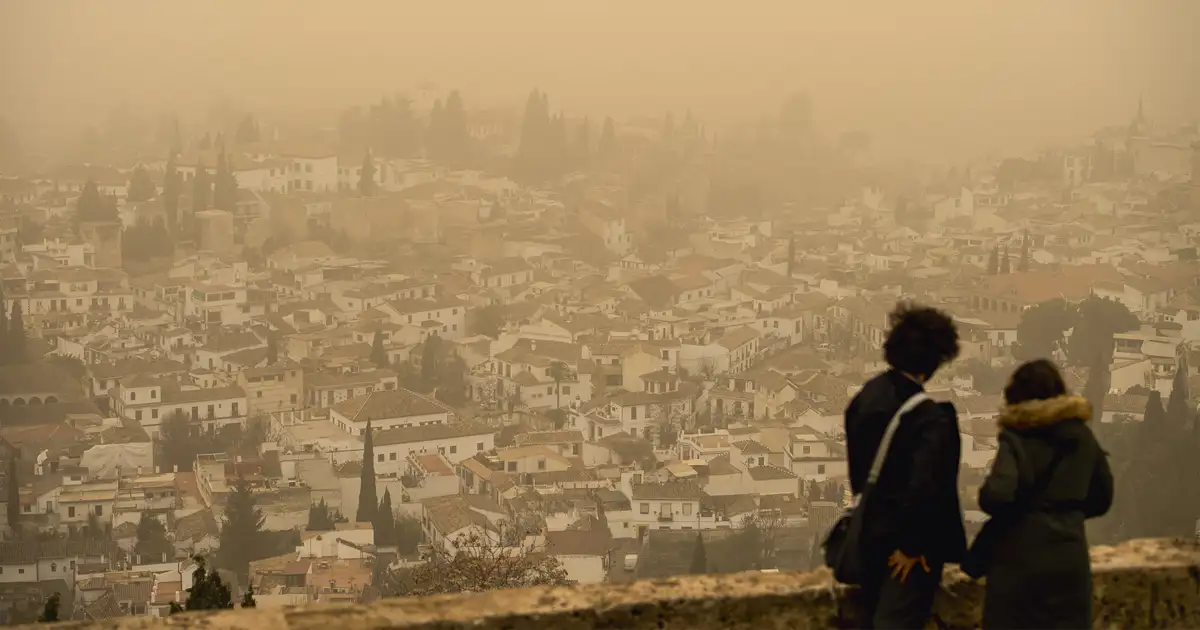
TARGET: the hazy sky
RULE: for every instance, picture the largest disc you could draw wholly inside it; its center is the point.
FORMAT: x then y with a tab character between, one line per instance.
930	77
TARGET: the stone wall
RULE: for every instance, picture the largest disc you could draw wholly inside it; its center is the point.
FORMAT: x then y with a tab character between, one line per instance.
1139	584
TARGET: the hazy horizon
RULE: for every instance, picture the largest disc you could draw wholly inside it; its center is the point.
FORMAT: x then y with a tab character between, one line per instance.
930	79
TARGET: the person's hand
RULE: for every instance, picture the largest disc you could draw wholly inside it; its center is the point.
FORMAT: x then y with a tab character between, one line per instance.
902	565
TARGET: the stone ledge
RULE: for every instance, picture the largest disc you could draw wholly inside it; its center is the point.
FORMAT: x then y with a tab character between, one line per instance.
1138	584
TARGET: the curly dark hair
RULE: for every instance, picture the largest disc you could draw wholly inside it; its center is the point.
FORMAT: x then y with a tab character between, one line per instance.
921	339
1036	380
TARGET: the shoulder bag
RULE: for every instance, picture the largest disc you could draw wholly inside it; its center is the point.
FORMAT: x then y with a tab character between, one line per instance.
844	544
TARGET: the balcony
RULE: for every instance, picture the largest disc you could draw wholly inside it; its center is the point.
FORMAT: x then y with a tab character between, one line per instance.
1138	584
666	518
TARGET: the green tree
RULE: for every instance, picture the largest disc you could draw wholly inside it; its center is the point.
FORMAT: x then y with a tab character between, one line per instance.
141	187
319	518
379	355
172	187
248	131
50	609
699	557
559	372
241	530
407	534
994	261
177	445
1097	321
1004	261
489	320
431	354
1179	411
455	137
1041	329
367	503
225	186
791	255
201	190
152	540
18	351
5	352
272	348
1023	265
92	206
532	161
385	521
248	598
366	180
14	492
208	591
1096	388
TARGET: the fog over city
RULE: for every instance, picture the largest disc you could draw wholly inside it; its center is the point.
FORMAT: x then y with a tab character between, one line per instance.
932	79
307	302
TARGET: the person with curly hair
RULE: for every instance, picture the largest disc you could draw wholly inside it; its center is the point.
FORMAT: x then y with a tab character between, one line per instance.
913	520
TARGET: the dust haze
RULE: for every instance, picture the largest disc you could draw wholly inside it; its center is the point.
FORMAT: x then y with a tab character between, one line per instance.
932	79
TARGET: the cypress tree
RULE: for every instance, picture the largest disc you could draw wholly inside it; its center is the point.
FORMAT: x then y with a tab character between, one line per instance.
1004	264
366	181
607	147
201	188
699	557
171	191
14	492
994	261
1179	413
791	255
367	501
240	531
17	350
385	521
378	354
5	356
1024	263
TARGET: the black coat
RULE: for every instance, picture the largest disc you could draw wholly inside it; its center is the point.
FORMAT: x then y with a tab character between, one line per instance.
914	506
1040	572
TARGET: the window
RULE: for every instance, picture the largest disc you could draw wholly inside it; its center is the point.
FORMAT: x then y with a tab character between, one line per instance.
479	446
293	398
99	510
687	509
212	411
153	394
132	396
541	464
512	466
153	413
664	509
666	354
633	412
235	410
137	415
78	301
21	571
574	449
807	449
645	508
259	394
453	450
566	389
392	456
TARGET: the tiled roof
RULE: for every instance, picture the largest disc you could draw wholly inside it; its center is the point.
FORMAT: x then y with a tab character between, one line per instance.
429	432
387	405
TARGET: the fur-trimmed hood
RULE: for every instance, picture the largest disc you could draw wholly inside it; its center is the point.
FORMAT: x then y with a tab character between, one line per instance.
1045	412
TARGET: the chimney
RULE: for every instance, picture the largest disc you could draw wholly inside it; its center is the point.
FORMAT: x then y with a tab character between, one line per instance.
176	467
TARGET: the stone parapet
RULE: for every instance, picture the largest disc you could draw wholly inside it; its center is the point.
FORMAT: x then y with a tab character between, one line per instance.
1138	584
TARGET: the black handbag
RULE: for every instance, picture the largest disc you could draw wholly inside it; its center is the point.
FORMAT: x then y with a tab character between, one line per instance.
844	544
983	548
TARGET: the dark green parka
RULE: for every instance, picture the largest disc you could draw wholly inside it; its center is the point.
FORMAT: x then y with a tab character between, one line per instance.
1040	572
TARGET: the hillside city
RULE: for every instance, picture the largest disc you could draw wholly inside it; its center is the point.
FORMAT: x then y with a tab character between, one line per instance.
433	346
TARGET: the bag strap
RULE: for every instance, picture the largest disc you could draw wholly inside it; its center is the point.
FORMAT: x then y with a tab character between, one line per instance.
886	442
